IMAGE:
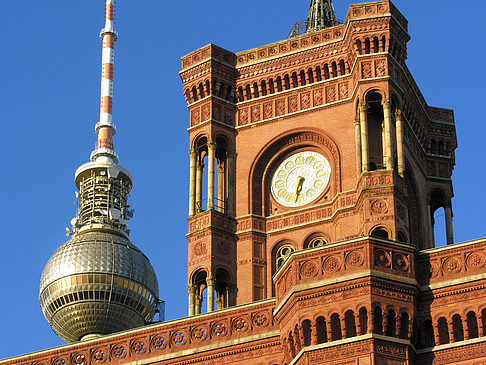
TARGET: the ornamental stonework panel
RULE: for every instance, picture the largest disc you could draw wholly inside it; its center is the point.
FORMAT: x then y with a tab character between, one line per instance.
380	68
243	116
293	104
280	107
195	117
255	113
318	97
366	70
343	91
206	112
268	110
331	94
452	264
305	100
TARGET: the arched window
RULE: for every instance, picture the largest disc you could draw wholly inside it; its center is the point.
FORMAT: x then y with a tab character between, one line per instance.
391	328
363	320
199	282
334	69
359	46
428	339
271	86
240	94
350	322
282	254
294	80
317	241
326	72
377	321
375	45
440	220
222	288
321	329
379	232
318	73
342	68
248	92
376	135
310	75
255	90
367	46
404	325
306	329
443	330
401	237
286	82
472	325
335	327
457	328
279	84
302	78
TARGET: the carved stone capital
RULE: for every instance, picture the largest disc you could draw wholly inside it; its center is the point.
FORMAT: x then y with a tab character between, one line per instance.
398	114
191	289
211	145
385	103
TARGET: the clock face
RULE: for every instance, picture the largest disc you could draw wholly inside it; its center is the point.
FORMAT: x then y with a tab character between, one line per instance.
300	179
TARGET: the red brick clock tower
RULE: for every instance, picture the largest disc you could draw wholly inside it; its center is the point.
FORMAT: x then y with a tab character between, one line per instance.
317	139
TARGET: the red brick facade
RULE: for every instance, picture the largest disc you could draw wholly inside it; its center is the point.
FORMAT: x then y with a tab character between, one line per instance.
360	282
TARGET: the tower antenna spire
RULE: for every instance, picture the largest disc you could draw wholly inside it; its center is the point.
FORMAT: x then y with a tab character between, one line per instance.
105	128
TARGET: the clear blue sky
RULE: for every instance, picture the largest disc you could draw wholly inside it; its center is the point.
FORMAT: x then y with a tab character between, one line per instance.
50	75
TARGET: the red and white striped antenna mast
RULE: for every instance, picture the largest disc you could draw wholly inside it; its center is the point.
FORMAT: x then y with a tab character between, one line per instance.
105	128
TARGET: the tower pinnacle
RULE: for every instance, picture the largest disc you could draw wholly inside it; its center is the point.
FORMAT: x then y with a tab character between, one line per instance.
321	16
105	128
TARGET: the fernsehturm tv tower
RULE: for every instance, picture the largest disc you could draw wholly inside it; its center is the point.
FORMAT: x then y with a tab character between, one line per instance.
98	282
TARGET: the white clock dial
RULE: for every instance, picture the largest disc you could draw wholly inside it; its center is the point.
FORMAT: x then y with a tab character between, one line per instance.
300	179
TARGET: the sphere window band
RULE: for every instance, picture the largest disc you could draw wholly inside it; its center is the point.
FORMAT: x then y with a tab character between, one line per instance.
282	255
300	179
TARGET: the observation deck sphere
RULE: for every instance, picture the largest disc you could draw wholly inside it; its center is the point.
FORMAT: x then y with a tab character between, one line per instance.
95	284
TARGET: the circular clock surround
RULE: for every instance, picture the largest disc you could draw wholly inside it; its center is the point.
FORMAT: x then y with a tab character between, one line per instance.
300	179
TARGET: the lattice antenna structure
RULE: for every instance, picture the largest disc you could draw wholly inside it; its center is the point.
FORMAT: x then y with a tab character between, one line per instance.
321	16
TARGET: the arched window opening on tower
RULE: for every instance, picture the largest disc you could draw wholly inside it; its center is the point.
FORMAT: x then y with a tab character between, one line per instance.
282	254
315	241
211	188
376	132
379	232
197	293
457	328
363	320
336	333
350	323
440	211
306	329
321	329
443	331
225	290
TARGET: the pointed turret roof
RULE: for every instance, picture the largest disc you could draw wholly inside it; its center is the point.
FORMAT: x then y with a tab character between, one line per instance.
321	16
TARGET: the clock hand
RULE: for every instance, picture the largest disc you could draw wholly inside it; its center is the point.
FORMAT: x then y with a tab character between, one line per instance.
298	188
